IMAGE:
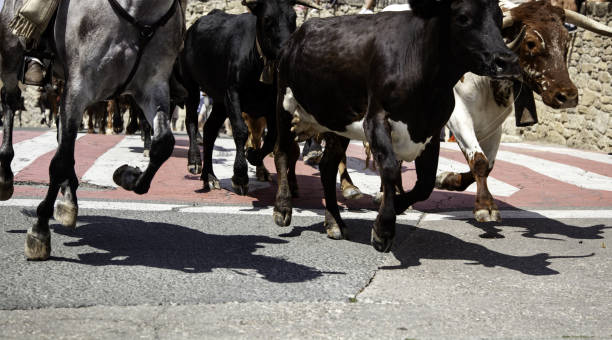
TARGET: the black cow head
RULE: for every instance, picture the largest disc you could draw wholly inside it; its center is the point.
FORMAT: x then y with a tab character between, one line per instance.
276	20
476	42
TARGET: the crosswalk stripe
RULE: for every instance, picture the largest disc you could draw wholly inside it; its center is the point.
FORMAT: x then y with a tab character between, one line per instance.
127	151
27	151
496	187
591	156
555	170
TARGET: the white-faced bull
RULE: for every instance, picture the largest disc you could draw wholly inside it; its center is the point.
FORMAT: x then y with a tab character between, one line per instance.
230	58
95	53
482	104
387	79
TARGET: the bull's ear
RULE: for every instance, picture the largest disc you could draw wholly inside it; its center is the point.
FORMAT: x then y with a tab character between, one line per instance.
252	5
428	8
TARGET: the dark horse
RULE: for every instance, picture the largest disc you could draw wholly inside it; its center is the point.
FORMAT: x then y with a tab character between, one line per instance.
99	57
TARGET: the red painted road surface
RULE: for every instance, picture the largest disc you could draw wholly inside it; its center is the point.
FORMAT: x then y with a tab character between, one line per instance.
174	184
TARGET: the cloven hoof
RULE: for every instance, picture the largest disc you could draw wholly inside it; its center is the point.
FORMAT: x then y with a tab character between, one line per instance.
66	213
240	189
382	245
37	245
351	192
484	215
194	169
282	219
333	230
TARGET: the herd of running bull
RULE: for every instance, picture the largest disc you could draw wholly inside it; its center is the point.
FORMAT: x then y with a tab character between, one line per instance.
392	80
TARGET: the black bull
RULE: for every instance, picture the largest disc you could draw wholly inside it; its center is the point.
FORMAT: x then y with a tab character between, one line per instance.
388	79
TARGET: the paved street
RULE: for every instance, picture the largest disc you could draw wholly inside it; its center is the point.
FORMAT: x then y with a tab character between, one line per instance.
182	263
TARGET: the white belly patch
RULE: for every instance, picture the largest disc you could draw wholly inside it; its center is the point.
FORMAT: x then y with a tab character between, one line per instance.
304	125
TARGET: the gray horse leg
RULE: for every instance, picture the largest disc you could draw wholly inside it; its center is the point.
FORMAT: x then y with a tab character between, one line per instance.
156	110
61	175
10	102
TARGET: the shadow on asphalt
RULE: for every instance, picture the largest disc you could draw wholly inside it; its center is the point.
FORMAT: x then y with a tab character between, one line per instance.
131	242
416	244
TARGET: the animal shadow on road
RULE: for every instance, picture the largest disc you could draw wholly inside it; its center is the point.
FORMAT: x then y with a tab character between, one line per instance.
131	242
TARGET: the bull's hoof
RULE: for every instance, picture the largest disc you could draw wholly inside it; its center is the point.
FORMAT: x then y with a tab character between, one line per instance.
262	174
282	218
381	244
377	199
66	213
146	153
6	190
313	157
240	189
351	192
37	245
440	178
126	176
194	169
485	215
334	231
212	183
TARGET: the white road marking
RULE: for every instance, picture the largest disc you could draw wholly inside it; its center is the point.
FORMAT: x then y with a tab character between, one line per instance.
558	171
496	187
127	151
27	151
409	216
592	156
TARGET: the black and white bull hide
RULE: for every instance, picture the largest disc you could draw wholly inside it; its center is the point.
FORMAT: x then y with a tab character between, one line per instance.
386	79
230	58
95	54
483	104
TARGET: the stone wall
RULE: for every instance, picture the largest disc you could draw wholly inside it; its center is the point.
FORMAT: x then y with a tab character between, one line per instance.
588	126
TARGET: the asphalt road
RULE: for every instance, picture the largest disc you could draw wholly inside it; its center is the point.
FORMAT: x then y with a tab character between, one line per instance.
129	274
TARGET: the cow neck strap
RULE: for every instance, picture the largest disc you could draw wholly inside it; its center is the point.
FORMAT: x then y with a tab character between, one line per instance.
145	34
267	74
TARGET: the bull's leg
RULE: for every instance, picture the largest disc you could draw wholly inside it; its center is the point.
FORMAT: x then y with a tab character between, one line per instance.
284	151
90	123
378	135
146	131
194	159
61	174
10	102
332	156
211	131
426	165
349	190
240	179
157	111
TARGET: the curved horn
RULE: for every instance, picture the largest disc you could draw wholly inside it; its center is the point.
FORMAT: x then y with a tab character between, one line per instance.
508	20
514	44
587	23
308	3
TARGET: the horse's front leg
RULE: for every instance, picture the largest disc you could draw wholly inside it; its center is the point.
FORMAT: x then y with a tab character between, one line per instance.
162	144
61	175
10	102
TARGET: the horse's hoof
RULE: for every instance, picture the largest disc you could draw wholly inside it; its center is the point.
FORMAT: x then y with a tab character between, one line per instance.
6	190
282	218
240	189
194	169
262	174
352	193
484	215
146	153
381	244
126	176
66	213
37	245
377	199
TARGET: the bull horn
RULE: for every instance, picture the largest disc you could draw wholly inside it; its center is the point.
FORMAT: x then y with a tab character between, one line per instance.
308	3
508	20
580	20
514	44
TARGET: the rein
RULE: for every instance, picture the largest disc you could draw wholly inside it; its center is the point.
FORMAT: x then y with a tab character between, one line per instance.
145	34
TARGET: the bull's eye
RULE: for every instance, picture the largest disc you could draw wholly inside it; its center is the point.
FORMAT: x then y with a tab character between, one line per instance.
463	20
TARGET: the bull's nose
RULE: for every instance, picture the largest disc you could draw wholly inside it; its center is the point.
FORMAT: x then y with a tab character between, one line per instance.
506	63
566	98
